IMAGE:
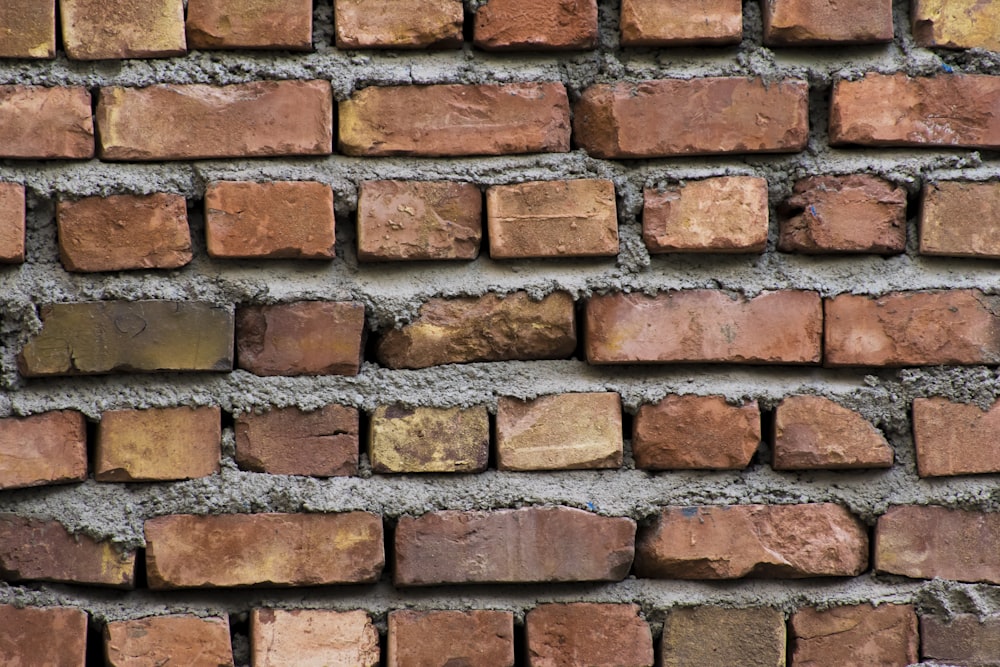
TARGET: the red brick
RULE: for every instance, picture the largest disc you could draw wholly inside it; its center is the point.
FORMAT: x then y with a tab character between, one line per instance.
956	24
162	640
954	438
28	29
512	546
897	110
412	24
681	23
812	432
514	25
104	29
719	637
301	338
281	638
704	325
427	439
48	448
963	639
856	635
951	327
960	219
283	219
46	123
124	232
598	635
260	24
692	117
289	441
187	551
476	638
189	122
480	120
818	22
773	541
12	212
43	636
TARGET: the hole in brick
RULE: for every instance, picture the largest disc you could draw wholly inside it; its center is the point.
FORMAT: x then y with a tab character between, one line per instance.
369	345
765	449
364	429
239	635
468	25
521	640
491	463
484	244
141	578
628	423
580	353
196	227
91	431
389	532
383	641
228	420
94	655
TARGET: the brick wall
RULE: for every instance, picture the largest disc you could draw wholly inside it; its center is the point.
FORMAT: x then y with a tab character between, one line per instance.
499	332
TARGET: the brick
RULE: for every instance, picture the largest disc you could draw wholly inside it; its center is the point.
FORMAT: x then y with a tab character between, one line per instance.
36	550
952	327
599	635
818	22
260	24
486	328
187	551
43	636
105	29
753	637
963	639
857	213
428	439
512	546
124	232
897	110
956	24
695	433
158	444
301	338
312	637
414	220
725	214
575	218
812	432
289	441
481	120
772	541
190	122
515	25
46	123
12	216
161	640
560	432
28	29
682	23
134	336
855	635
960	219
955	438
47	448
704	116
282	220
413	24
704	325
475	638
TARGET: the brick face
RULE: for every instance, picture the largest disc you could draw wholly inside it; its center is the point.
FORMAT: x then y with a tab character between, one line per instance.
527	25
48	448
681	23
427	439
260	24
752	637
476	638
960	219
12	226
104	29
412	24
161	640
858	634
812	432
817	22
963	639
37	636
288	441
954	438
603	635
28	29
45	123
956	24
312	637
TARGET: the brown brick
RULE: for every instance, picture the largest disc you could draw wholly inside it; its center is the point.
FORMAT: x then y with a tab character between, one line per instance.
162	640
281	638
124	232
695	432
951	327
725	214
514	25
411	220
48	448
104	29
956	24
480	120
681	23
189	122
598	635
963	639
283	219
259	24
429	439
43	636
412	24
46	123
813	432
134	336
187	551
704	325
897	110
774	541
486	328
753	637
475	638
12	212
805	22
692	117
28	29
288	441
856	635
301	338
954	438
512	546
960	219
553	219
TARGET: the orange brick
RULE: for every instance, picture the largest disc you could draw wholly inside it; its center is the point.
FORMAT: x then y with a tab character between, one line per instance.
28	29
281	638
960	219
48	448
475	638
46	123
103	29
753	637
412	24
160	640
962	639
513	25
602	635
813	432
855	635
260	24
805	22
427	439
12	212
288	441
956	24
681	23
43	636
955	438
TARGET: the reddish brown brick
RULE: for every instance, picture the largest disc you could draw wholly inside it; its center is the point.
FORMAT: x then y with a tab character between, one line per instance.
289	441
818	22
412	24
301	338
681	23
43	636
601	635
104	29
28	29
692	117
281	638
189	122
512	546
161	640
187	551
12	212
476	638
753	637
259	24
46	123
513	25
814	432
855	635
48	448
960	219
964	639
955	438
480	120
956	24
283	219
426	439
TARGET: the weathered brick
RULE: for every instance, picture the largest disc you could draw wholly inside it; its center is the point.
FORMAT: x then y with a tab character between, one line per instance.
411	220
412	24
912	329
162	640
104	29
158	444
704	325
575	218
475	638
681	23
46	123
12	212
818	22
956	24
856	635
729	542
282	219
844	214
692	117
188	122
695	432
480	120
724	214
512	546
312	637
486	328
512	25
124	232
964	639
960	219
599	635
43	636
813	432
753	637
288	441
138	336
48	448
259	24
429	439
897	110
301	338
187	551
955	438
28	29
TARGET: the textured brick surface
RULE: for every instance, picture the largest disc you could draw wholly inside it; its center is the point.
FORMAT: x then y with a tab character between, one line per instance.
503	25
855	635
681	23
48	448
814	432
601	635
28	29
963	639
257	24
956	24
102	29
288	441
413	24
426	439
46	123
817	22
960	219
719	637
312	637
162	640
43	636
955	438
476	638
12	212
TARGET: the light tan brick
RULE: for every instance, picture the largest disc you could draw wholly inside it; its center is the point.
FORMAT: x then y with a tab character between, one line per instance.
426	439
960	219
280	638
162	640
12	226
47	448
681	23
28	29
412	24
752	637
956	24
104	29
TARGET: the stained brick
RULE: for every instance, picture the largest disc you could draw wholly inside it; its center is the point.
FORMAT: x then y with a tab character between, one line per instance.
260	24
104	29
818	22
956	24
955	438
681	23
48	448
288	441
511	25
814	432
427	439
161	640
960	219
600	635
855	635
753	637
280	638
475	638
43	636
964	639
28	29
412	24
46	123
12	212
